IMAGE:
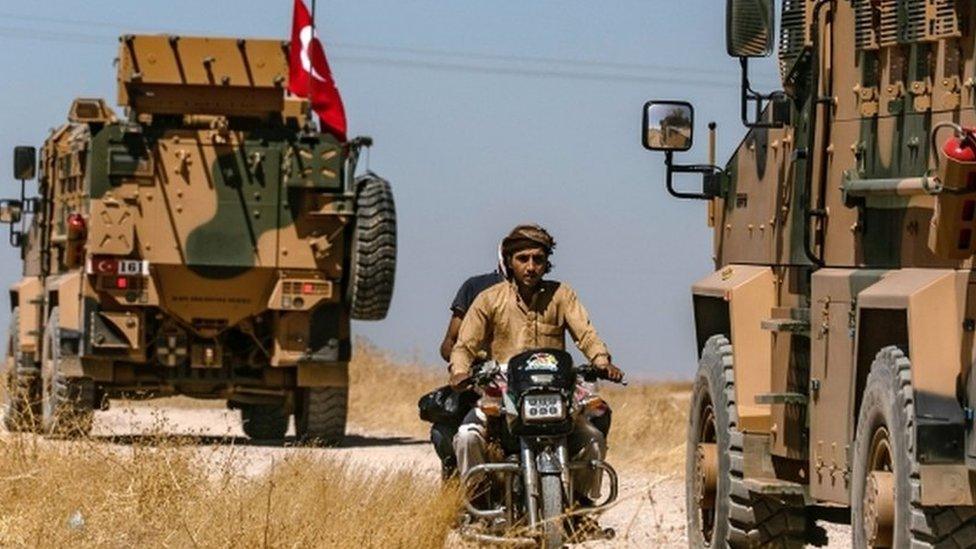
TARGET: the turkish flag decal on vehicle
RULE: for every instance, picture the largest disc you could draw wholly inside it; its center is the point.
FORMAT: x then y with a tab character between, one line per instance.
309	74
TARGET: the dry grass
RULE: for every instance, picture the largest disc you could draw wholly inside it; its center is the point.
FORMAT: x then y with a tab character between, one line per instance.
375	377
649	419
168	491
649	422
162	492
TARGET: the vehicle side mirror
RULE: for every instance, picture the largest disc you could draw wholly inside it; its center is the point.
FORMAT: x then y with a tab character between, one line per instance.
668	126
11	211
25	163
749	28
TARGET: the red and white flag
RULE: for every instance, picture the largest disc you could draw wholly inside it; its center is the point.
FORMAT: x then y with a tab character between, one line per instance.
309	74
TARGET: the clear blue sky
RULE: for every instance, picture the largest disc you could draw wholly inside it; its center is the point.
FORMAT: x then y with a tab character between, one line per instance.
485	114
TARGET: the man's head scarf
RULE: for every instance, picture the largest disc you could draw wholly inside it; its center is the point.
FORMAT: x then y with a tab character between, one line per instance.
527	236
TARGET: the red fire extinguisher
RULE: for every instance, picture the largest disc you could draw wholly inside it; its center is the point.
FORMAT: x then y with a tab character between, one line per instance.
961	147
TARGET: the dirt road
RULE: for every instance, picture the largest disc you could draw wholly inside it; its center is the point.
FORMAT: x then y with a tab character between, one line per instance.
650	512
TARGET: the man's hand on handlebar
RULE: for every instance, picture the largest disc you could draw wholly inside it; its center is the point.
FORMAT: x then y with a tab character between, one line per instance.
610	372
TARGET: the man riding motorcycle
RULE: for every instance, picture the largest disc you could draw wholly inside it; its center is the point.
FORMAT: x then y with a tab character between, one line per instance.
527	312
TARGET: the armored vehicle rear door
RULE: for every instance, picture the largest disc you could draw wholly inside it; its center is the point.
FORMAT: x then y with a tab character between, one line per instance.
239	226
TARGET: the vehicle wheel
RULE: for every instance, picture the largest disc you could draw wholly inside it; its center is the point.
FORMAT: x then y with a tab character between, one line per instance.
721	511
68	404
374	250
553	510
320	416
886	510
264	421
22	395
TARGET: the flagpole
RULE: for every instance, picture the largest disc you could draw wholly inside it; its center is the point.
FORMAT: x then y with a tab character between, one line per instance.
311	79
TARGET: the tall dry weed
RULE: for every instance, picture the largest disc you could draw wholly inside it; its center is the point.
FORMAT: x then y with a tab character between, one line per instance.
163	491
157	490
649	423
383	391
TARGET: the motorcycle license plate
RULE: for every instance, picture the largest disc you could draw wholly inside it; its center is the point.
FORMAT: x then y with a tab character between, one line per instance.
542	407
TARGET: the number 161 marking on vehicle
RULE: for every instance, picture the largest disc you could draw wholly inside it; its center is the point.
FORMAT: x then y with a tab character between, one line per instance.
113	266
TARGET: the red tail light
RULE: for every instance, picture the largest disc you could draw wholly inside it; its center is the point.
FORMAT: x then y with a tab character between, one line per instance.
122	283
76	226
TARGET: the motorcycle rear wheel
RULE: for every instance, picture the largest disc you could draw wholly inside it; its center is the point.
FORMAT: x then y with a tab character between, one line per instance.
552	511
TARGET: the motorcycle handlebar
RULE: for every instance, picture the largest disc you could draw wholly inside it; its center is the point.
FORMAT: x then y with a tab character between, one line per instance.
590	372
485	372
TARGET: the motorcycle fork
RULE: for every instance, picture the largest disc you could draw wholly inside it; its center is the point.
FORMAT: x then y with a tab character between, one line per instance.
531	482
562	452
509	500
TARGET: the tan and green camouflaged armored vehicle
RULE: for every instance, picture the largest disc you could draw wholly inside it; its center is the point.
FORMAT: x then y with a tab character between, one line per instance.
836	335
208	242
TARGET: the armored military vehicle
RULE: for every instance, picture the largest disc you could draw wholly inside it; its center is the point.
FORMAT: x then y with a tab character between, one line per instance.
836	335
208	242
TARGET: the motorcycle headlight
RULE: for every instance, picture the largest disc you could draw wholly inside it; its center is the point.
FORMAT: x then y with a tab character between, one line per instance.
544	407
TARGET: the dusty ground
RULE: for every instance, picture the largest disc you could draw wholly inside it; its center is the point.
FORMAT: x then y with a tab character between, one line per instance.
650	512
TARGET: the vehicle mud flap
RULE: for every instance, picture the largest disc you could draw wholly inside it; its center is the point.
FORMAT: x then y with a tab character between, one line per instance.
70	362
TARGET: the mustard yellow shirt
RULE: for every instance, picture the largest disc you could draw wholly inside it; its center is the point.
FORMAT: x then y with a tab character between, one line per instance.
501	321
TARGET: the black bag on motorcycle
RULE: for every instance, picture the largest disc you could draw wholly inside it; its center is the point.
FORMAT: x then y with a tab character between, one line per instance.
445	405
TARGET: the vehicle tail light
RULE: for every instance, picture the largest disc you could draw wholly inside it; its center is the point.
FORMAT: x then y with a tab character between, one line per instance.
121	283
77	233
77	228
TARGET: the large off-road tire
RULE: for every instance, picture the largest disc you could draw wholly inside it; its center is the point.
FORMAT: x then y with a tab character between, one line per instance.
320	415
264	421
721	512
21	410
374	249
68	403
553	509
885	468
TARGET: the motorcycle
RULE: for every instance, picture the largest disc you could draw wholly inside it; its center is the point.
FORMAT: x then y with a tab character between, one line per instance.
532	487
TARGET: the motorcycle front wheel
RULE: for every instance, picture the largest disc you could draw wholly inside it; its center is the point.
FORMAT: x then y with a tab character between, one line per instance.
552	511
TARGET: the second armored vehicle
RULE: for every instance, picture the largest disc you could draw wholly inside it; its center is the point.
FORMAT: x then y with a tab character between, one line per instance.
208	243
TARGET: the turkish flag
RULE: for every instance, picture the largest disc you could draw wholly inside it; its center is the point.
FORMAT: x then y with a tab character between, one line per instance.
309	74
